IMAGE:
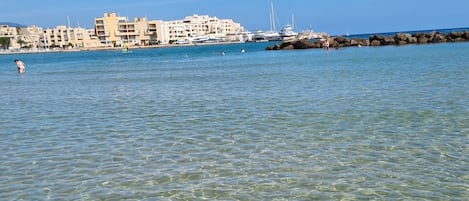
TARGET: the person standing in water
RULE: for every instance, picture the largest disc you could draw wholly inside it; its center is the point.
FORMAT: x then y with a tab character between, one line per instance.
20	66
326	45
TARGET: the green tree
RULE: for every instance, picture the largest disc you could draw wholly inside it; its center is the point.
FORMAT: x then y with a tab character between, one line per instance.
21	42
4	42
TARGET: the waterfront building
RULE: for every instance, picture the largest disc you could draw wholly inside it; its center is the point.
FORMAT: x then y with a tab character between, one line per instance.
34	37
114	31
21	36
9	32
202	28
31	36
67	37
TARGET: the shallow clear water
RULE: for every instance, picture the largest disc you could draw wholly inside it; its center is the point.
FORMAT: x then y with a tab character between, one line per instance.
385	123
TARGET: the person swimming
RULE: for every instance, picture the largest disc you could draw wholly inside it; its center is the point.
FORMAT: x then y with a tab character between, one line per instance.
20	66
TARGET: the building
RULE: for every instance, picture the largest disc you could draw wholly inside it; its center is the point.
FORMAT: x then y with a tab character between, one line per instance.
31	36
34	37
66	37
114	31
201	28
21	36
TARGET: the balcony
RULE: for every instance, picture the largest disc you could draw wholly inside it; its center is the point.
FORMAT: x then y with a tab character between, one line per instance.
99	22
125	33
102	33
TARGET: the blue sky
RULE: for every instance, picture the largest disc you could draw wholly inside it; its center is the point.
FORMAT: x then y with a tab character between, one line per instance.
330	16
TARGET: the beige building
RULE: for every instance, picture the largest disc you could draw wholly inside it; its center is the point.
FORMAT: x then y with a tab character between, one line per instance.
113	30
59	37
66	37
21	36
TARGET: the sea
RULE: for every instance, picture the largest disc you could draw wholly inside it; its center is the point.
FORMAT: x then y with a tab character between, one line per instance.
185	123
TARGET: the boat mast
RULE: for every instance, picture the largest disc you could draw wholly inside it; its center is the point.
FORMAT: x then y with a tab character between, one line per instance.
293	22
272	17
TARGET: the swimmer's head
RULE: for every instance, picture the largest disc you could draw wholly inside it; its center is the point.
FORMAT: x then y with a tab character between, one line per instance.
16	60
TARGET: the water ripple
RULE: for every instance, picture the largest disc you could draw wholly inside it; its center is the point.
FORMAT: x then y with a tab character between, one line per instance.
300	125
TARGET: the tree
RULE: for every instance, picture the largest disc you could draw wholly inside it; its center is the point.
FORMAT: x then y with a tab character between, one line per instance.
4	42
21	42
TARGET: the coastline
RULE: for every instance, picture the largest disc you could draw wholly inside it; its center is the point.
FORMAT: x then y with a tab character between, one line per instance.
61	50
337	41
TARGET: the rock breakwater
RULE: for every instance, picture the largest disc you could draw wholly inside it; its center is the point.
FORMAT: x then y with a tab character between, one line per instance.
376	40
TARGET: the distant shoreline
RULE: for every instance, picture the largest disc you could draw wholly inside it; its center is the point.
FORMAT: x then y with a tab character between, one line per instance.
61	50
355	36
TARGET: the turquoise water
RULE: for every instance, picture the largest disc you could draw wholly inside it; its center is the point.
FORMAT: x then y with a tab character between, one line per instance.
383	123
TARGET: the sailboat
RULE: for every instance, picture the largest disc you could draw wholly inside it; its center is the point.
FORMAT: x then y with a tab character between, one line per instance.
287	32
272	35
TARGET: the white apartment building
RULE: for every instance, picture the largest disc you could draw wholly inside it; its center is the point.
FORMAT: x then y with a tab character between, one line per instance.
201	27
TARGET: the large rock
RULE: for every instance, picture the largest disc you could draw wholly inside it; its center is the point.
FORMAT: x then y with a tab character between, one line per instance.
412	40
466	35
302	44
439	38
455	34
362	41
422	39
377	37
431	35
402	37
389	40
375	43
342	40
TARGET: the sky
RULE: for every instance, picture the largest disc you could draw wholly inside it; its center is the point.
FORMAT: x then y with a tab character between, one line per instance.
331	16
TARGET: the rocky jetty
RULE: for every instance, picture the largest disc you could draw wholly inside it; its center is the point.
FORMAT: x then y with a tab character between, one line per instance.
376	40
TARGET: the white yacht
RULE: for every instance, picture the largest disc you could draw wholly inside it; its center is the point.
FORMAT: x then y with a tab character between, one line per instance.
273	36
288	34
259	36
